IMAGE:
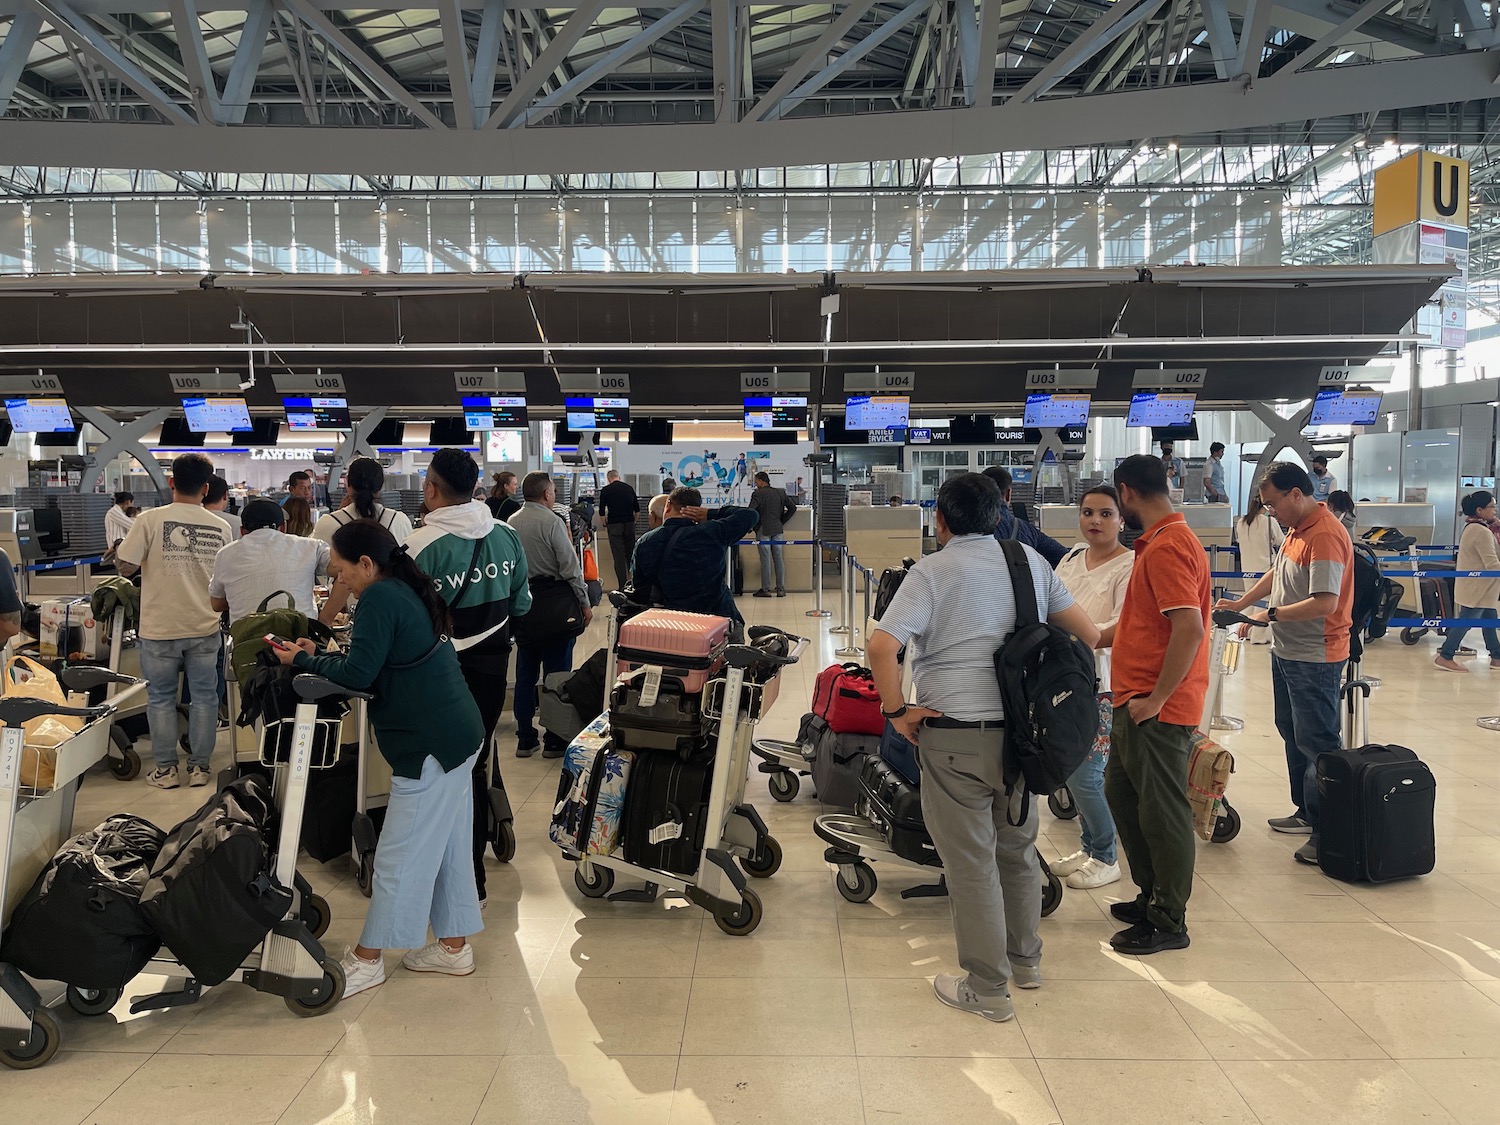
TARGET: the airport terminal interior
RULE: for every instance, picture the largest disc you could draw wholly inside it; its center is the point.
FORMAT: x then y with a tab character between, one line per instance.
864	249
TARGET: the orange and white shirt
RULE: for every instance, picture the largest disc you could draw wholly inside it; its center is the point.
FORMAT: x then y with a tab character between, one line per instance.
1317	558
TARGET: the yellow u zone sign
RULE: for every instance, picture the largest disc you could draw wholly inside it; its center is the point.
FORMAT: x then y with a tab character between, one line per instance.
1422	187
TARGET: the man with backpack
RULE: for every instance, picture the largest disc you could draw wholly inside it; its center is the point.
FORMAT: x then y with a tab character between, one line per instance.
479	568
1159	677
955	609
774	509
1008	526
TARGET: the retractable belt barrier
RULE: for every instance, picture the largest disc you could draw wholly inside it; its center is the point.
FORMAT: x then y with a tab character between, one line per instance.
63	564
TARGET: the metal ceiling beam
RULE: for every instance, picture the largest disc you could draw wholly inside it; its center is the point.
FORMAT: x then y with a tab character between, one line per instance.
1121	18
1252	39
989	45
913	9
456	58
626	50
15	50
385	82
1221	42
1478	24
514	105
189	34
1385	38
1355	20
88	39
726	62
810	58
487	59
966	19
248	52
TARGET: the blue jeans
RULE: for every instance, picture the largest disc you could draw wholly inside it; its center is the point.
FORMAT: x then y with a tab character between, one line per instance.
162	662
424	866
187	689
1087	787
531	665
771	558
1449	648
1307	717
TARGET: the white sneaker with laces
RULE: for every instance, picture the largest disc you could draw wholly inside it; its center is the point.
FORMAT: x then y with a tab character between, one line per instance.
1093	874
197	776
1068	864
163	778
360	974
438	958
954	991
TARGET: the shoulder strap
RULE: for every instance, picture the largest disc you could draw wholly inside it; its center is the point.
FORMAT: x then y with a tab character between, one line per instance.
1021	583
344	512
473	565
291	602
388	518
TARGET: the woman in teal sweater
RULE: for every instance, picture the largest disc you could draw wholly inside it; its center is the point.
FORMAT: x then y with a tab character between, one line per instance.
430	732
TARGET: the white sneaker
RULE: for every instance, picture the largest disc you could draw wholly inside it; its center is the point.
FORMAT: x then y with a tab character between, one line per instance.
163	778
437	958
954	991
360	974
1093	874
1068	864
197	776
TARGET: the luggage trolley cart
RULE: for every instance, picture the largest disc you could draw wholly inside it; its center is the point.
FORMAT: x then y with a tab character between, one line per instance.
735	829
34	823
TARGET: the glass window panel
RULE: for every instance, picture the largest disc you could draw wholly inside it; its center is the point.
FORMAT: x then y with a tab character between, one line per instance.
361	237
987	240
716	222
1031	219
1077	226
944	224
180	229
495	235
807	232
136	242
630	237
672	233
539	234
228	235
451	235
894	218
407	235
316	236
762	222
94	236
586	223
1214	220
271	235
12	238
1125	220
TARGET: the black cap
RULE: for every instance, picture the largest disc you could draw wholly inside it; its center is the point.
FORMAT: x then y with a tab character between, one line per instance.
261	513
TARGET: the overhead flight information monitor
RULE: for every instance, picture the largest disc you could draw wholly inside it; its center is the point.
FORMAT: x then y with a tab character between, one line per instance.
1161	408
495	412
1054	410
217	415
317	413
877	412
775	412
594	413
39	415
1345	408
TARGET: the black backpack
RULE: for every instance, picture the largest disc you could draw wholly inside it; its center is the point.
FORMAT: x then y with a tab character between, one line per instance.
1371	595
1048	685
890	581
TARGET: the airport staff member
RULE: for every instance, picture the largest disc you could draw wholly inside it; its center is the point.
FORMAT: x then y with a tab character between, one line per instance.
954	609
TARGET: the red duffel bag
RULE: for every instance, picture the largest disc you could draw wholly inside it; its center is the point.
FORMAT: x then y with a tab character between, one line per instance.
844	696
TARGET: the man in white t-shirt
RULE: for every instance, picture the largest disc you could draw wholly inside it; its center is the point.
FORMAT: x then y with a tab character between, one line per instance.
264	561
174	548
117	520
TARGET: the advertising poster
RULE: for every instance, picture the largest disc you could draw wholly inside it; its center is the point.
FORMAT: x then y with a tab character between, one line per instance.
723	472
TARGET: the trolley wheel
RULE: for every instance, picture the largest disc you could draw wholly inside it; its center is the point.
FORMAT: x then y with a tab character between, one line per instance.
364	874
1052	892
92	1001
503	843
766	860
127	767
1410	636
784	785
1062	805
330	992
45	1039
316	915
745	918
598	886
862	887
1226	825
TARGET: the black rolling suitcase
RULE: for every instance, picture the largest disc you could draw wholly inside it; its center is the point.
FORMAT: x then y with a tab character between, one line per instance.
666	811
895	805
651	713
1376	820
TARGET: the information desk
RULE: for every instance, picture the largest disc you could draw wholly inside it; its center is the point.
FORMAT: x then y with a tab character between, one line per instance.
880	537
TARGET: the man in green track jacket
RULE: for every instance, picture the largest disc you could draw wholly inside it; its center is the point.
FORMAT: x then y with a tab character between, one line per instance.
479	569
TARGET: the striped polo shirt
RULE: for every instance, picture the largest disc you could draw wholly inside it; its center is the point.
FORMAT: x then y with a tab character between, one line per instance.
954	609
1316	558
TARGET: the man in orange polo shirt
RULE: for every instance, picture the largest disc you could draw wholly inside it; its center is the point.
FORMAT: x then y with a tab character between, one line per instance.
1159	677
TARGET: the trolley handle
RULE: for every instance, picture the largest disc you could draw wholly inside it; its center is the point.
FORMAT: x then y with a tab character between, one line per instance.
22	709
85	677
311	689
1224	618
748	656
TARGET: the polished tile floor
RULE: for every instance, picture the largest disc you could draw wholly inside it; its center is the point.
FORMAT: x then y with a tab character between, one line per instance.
1301	1000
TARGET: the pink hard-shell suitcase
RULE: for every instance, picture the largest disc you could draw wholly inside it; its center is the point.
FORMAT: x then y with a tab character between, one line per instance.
689	646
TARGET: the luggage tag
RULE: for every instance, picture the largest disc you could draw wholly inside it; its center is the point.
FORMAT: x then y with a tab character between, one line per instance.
670	830
651	685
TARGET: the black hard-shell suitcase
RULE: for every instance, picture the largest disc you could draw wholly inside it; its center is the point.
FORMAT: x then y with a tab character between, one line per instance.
328	815
213	895
673	721
836	760
895	805
80	923
666	812
1376	819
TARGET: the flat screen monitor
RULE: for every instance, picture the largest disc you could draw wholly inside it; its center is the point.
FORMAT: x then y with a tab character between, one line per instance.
387	433
1345	408
650	431
304	413
1052	410
495	412
217	415
175	433
1161	408
877	412
594	413
775	412
263	430
40	415
450	432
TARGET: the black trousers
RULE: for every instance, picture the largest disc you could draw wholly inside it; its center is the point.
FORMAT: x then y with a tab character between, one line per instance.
621	548
487	677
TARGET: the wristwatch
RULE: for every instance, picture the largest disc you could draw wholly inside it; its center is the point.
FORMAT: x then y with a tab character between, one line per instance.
1271	614
896	714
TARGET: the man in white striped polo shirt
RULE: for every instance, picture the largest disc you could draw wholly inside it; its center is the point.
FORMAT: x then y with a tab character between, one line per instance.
955	609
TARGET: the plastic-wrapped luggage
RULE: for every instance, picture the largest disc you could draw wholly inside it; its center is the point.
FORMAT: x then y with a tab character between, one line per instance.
213	893
688	646
591	792
81	922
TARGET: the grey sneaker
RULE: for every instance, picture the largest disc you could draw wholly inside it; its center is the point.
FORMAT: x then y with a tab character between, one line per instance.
197	776
954	991
1292	825
1026	976
163	778
1308	852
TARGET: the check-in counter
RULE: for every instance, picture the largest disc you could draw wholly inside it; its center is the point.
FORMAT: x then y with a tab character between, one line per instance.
798	559
1060	521
1415	520
880	537
63	579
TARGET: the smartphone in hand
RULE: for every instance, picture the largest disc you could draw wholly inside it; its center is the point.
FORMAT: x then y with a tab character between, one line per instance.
278	642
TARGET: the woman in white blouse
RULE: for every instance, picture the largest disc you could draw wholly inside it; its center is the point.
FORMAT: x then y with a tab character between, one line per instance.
1259	537
1097	576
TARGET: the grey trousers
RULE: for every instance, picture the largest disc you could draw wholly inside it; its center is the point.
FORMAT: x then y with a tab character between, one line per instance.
994	877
